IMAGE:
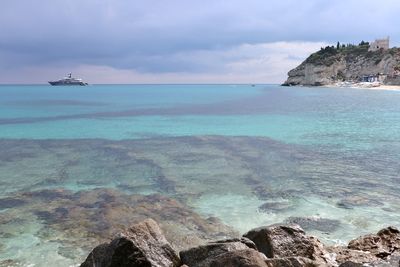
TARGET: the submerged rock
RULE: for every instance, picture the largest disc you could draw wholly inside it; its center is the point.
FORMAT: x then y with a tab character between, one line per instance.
358	201
9	202
274	206
285	241
9	263
315	223
87	218
142	245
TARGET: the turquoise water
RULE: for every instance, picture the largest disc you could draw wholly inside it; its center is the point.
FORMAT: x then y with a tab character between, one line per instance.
327	158
341	117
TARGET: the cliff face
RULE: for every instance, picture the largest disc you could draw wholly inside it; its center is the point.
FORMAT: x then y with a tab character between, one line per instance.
331	65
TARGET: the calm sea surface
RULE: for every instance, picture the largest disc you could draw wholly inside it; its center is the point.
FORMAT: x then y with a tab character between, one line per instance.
77	164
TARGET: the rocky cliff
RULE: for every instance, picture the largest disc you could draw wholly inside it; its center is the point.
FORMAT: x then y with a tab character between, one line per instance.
347	63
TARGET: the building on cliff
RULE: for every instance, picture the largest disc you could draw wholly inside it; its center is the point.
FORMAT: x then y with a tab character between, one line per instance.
379	44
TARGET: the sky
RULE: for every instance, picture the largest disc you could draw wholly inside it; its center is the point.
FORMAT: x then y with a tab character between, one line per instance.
179	41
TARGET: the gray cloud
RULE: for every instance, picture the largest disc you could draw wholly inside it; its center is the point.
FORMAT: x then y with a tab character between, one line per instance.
176	36
255	63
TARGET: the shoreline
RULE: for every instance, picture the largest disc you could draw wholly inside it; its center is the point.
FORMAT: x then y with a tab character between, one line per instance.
366	87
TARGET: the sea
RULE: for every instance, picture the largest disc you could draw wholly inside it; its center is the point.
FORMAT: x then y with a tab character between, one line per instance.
80	164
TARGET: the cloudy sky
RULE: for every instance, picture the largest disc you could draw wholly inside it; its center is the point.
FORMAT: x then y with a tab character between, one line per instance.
179	41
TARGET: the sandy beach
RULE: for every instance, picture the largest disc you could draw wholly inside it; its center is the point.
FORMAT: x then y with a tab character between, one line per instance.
387	87
364	86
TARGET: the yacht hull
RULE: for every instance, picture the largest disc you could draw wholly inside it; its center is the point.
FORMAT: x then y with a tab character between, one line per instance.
62	83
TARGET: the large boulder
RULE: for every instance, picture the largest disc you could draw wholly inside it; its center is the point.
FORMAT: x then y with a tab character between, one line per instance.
233	252
382	244
286	241
142	245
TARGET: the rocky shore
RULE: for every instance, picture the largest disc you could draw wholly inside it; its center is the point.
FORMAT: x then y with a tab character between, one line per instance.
280	245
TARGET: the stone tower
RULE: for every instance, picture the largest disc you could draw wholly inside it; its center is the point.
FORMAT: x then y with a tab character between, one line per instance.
379	44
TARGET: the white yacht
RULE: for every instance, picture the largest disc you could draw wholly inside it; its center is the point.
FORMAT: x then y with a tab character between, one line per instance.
69	80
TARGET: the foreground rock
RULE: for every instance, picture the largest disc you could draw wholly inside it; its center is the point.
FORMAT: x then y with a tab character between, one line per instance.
378	250
233	252
285	241
383	244
142	245
239	258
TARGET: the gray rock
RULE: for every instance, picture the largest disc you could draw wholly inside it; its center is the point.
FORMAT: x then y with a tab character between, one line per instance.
375	250
291	262
238	258
101	255
212	252
382	244
142	245
343	255
285	241
351	264
394	259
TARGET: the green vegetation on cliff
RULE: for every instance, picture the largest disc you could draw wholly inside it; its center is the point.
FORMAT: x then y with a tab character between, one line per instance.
330	54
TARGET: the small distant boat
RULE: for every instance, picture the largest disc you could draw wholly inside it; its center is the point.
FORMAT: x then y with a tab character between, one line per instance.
69	80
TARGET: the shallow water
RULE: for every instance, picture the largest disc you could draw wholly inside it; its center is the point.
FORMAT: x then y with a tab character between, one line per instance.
207	161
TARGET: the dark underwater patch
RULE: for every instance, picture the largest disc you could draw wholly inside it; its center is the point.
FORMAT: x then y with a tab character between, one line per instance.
9	202
57	102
